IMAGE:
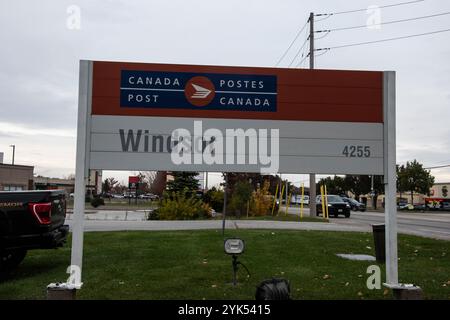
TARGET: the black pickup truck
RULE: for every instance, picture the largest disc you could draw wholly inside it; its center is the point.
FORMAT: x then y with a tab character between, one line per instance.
30	220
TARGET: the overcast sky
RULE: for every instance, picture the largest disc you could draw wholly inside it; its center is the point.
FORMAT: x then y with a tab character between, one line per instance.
40	59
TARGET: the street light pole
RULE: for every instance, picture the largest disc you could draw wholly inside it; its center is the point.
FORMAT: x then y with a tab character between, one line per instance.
14	152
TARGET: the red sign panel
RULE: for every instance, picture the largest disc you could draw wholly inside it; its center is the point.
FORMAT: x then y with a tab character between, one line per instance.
133	179
163	90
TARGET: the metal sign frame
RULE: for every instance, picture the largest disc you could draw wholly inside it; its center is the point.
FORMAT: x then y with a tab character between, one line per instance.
83	158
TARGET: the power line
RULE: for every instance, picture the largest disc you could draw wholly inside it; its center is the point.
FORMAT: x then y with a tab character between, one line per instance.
384	23
292	43
438	167
303	60
365	9
306	51
299	51
327	32
307	56
321	54
383	40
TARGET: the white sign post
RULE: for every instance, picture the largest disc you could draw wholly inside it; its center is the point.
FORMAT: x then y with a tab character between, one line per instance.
390	178
81	172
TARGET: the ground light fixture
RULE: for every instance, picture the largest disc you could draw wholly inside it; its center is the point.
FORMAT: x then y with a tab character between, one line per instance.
235	247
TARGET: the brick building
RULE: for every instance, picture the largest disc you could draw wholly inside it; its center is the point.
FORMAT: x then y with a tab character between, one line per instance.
16	177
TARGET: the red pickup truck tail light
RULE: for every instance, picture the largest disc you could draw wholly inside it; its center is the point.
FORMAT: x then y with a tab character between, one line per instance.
42	212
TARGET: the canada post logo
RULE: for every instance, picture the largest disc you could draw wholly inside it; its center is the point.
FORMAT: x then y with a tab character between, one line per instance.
205	91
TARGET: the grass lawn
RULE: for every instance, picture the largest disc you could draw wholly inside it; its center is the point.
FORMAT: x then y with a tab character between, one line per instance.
192	265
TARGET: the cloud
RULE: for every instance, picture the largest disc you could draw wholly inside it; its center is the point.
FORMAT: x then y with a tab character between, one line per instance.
40	56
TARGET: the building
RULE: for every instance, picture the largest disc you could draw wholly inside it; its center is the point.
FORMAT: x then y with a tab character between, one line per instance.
440	190
45	183
16	177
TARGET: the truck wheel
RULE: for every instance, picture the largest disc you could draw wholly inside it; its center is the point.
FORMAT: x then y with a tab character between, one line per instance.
347	215
10	259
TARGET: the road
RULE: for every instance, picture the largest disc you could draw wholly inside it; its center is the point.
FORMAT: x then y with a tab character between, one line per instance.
431	225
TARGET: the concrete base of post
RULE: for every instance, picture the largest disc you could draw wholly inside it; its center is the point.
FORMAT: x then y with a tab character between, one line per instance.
406	292
60	291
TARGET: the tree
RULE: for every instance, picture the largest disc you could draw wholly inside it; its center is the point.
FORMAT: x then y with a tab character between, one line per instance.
146	178
444	191
414	178
357	184
402	180
254	179
119	188
334	185
378	188
109	184
241	196
184	181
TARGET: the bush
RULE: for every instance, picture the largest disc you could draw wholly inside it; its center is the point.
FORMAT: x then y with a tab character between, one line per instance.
153	215
214	198
261	202
97	201
181	206
241	196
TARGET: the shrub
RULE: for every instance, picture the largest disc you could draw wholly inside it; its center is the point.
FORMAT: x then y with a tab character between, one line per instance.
214	198
261	202
241	195
180	206
153	215
97	201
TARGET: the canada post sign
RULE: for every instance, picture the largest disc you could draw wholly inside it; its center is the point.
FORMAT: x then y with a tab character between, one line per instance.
206	91
145	116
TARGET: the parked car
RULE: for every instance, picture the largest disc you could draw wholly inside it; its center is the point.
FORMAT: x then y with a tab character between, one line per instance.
445	206
402	205
297	199
130	195
106	195
148	196
355	205
336	206
30	220
420	207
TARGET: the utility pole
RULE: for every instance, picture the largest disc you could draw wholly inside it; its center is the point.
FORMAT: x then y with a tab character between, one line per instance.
312	176
311	40
14	152
286	201
224	203
281	192
372	193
